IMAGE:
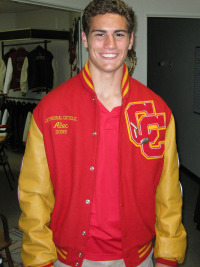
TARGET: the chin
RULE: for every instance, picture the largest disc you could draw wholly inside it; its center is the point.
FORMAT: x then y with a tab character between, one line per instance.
111	68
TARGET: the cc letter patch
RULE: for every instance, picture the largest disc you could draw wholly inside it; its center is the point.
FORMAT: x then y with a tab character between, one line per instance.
146	128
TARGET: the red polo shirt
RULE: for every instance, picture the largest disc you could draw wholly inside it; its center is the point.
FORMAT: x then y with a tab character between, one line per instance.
104	241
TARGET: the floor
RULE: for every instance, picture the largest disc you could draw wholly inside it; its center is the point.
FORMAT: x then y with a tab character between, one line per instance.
9	206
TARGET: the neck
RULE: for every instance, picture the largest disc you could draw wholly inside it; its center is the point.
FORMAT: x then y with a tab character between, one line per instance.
108	87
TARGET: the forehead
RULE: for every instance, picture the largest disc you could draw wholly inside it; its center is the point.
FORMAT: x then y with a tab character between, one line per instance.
108	21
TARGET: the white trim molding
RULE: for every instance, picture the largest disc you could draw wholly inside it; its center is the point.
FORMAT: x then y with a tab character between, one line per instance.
75	5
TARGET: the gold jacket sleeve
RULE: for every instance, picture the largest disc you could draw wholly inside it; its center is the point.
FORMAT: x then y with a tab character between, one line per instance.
36	202
170	233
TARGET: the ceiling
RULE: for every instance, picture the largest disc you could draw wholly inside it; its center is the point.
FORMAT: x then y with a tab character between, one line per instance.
6	6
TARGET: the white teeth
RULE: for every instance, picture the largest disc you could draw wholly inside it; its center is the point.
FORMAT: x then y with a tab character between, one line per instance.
109	55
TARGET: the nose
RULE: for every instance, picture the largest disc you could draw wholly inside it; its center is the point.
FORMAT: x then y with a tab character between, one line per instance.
110	42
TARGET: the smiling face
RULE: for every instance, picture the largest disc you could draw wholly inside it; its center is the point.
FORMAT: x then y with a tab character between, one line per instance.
108	42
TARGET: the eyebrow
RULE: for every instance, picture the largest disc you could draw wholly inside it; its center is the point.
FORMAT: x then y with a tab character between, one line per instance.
104	31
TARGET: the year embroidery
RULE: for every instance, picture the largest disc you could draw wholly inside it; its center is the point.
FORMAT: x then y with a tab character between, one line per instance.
146	128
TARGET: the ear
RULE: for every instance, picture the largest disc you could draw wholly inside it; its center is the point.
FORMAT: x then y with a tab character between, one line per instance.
84	39
131	41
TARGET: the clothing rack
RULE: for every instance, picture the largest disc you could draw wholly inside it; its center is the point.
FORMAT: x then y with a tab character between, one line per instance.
22	98
20	44
27	37
30	34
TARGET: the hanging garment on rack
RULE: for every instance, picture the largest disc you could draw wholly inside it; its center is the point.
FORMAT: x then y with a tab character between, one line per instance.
74	48
4	122
39	71
3	66
27	125
17	119
13	72
4	114
5	117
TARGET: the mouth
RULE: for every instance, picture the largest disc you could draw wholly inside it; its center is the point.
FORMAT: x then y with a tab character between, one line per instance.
109	55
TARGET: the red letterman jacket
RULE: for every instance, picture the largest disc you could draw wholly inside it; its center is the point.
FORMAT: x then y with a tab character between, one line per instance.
59	169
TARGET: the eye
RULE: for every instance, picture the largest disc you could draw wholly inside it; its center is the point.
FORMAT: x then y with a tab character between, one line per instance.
120	35
100	34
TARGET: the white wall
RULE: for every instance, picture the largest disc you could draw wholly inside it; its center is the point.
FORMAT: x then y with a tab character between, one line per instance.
143	9
7	22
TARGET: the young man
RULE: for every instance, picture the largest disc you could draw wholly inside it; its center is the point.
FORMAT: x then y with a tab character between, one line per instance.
100	172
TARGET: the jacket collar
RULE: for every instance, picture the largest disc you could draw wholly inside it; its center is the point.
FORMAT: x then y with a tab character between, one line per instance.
88	79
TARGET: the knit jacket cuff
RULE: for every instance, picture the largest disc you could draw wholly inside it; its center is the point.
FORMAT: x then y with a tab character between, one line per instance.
167	262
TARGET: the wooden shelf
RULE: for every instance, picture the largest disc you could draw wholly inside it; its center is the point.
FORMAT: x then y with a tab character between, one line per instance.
24	34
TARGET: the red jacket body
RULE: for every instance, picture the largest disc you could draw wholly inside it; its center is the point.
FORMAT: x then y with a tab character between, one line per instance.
66	123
